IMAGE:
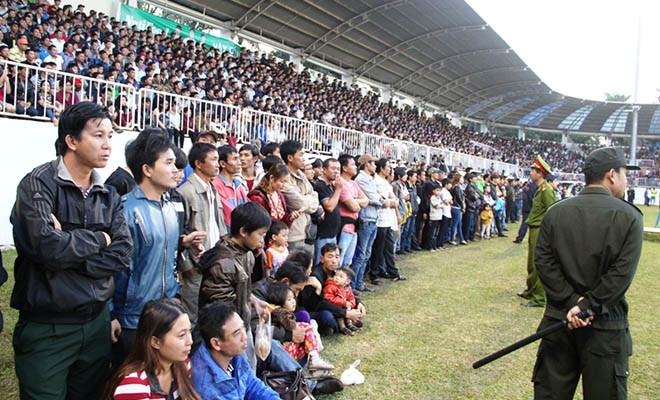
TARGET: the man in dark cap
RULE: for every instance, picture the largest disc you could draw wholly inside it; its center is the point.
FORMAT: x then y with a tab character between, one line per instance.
587	253
544	197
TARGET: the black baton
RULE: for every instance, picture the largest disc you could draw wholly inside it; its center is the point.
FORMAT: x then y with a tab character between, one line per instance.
529	339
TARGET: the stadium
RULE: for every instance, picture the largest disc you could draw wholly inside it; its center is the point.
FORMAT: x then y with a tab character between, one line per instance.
428	86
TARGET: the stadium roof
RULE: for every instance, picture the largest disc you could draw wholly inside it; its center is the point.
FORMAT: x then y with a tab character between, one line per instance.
439	52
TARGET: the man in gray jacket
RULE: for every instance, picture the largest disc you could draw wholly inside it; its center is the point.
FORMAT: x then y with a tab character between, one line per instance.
204	213
368	217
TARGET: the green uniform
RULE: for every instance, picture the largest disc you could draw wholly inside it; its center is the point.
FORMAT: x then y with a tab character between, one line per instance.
544	197
588	246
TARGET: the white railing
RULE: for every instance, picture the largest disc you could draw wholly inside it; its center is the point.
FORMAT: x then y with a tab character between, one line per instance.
43	93
185	116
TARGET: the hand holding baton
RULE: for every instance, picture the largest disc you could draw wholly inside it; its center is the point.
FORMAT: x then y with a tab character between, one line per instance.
524	342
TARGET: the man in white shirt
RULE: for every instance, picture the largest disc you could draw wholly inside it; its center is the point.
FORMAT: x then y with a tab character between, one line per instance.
54	56
382	261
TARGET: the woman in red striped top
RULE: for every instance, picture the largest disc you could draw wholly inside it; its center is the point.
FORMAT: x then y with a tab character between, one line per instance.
158	367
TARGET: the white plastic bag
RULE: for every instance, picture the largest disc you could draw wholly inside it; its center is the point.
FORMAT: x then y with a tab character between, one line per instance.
262	338
352	376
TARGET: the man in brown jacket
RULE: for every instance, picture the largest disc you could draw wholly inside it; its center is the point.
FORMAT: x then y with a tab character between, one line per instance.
299	195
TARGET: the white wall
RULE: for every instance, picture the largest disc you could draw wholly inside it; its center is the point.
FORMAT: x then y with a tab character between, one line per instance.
27	144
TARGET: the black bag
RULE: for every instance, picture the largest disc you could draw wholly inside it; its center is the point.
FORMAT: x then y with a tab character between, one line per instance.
290	385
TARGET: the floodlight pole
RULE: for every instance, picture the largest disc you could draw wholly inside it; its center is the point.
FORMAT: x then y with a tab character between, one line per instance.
635	107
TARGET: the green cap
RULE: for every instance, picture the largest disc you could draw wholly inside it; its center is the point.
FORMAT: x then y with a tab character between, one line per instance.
606	158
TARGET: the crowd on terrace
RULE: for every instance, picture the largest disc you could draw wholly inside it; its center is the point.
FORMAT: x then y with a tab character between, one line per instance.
89	43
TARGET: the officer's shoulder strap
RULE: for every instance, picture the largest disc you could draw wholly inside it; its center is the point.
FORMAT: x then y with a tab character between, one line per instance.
633	206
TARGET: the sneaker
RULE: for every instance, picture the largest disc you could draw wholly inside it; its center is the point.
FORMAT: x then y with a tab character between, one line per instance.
315	362
366	289
453	243
463	242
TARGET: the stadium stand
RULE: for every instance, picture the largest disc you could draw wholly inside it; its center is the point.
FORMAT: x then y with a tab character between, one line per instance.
151	79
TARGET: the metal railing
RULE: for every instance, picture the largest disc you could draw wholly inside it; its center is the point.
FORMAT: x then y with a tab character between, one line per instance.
184	116
43	93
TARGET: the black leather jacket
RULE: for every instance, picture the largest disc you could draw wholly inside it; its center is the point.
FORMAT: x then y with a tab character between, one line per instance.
66	276
472	198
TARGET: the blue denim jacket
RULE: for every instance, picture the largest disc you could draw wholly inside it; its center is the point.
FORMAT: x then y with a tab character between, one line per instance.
212	382
154	228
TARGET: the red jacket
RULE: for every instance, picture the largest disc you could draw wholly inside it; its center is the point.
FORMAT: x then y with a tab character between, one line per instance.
338	295
258	196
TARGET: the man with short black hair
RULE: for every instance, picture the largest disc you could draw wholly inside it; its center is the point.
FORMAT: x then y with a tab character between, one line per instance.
220	366
299	195
203	210
231	192
328	187
587	253
66	263
153	223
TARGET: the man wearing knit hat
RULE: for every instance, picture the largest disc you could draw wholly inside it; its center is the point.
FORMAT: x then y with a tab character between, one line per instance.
587	254
543	199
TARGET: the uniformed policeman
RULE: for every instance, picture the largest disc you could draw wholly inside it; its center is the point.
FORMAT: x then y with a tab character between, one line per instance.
544	197
586	256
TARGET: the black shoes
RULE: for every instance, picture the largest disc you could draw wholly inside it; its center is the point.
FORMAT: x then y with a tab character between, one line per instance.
327	386
516	241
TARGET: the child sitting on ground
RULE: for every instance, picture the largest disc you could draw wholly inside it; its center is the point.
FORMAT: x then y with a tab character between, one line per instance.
486	221
278	242
282	297
337	290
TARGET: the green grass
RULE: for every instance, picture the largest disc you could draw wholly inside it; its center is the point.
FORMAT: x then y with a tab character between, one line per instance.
650	215
422	335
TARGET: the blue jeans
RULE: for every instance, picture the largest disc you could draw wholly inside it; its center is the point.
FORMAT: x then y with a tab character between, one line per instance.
318	245
469	219
456	224
366	237
657	220
516	210
347	243
407	232
326	321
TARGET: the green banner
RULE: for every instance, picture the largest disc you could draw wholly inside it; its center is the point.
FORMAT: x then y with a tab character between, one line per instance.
143	20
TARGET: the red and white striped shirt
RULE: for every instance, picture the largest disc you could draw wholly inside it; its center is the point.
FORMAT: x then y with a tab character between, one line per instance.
144	386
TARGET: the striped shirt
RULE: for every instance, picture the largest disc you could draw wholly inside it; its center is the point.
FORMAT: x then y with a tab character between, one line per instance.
232	194
142	385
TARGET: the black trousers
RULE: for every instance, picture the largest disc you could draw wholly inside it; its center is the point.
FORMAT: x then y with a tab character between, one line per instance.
382	255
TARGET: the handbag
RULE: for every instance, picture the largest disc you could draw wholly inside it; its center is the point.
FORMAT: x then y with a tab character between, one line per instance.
290	385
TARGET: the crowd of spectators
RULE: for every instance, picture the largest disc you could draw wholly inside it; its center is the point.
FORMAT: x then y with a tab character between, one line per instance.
89	43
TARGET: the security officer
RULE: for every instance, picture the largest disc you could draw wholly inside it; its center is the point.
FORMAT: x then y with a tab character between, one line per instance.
544	197
587	253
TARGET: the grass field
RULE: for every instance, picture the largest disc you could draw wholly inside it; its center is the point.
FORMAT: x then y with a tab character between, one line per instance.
423	335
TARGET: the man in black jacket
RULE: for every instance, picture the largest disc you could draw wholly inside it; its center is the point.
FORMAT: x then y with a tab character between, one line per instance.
587	253
472	203
71	238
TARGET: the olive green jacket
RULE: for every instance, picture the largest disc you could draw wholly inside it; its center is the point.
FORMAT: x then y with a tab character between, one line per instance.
544	197
589	246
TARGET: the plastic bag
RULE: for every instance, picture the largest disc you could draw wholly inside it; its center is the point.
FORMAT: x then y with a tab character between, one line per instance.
352	376
263	337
